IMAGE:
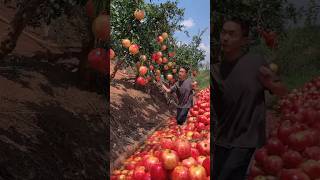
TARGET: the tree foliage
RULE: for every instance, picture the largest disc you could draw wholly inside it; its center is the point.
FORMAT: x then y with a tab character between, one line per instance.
159	18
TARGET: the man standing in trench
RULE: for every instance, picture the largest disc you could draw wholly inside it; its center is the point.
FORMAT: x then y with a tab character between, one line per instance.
184	90
239	82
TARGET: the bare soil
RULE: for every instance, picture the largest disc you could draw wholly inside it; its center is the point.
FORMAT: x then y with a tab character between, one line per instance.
50	127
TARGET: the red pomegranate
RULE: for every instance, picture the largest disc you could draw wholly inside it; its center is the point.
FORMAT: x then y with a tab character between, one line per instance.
90	8
97	60
101	28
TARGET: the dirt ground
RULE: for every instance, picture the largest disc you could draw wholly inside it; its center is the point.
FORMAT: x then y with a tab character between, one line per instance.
50	128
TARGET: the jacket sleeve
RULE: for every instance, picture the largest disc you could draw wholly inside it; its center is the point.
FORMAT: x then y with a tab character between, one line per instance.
174	88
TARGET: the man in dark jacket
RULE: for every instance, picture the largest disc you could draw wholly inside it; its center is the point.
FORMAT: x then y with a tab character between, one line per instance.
239	82
183	89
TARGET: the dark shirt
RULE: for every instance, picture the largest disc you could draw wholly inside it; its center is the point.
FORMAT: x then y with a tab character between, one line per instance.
184	92
239	101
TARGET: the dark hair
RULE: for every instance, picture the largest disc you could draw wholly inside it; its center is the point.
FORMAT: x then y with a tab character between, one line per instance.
245	25
185	68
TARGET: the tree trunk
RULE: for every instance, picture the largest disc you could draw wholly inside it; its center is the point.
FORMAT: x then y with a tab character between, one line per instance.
87	45
116	68
17	25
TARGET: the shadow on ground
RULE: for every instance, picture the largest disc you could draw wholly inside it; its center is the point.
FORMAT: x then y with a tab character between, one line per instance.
50	127
58	73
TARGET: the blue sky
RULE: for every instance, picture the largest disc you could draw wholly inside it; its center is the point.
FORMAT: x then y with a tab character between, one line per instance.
196	19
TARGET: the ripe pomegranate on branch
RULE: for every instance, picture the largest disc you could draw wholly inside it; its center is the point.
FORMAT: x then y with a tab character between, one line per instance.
270	38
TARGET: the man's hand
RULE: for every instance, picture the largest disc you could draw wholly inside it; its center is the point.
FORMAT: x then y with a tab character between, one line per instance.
265	75
164	87
266	78
159	83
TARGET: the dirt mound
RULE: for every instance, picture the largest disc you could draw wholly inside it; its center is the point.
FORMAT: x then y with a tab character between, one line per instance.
50	128
135	113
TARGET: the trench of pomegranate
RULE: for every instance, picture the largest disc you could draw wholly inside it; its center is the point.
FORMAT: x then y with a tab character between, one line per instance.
187	144
135	114
134	147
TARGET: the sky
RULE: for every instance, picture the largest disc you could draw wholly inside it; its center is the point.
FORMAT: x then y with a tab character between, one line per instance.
196	19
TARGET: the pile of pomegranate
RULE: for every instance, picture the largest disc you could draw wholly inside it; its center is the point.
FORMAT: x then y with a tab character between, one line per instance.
174	152
292	151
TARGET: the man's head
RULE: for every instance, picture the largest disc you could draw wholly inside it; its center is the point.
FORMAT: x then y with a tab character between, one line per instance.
234	36
183	73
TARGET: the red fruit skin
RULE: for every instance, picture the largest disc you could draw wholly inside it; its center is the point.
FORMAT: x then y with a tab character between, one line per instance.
183	149
149	162
158	172
202	119
270	39
200	159
275	147
130	166
197	172
97	59
129	178
194	153
292	159
203	148
261	155
139	172
141	81
301	140
196	107
180	173
273	164
147	176
170	159
114	177
189	162
194	113
311	168
154	57
166	143
286	128
90	8
201	126
143	70
293	174
201	111
100	27
206	165
157	153
256	171
312	153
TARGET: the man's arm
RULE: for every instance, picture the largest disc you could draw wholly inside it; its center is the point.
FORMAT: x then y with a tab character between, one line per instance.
267	80
165	88
194	98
